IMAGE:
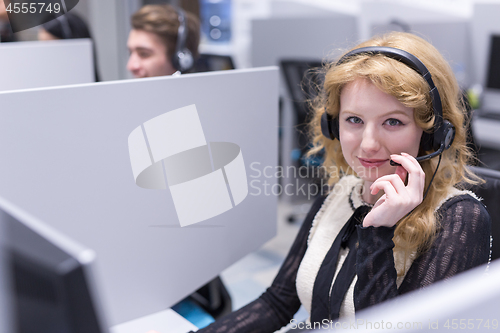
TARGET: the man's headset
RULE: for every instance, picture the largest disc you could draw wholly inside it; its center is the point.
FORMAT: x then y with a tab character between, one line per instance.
66	29
444	132
182	59
62	21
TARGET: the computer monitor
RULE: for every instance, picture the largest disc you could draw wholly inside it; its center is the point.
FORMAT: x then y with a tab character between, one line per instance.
48	284
5	317
490	103
486	124
493	81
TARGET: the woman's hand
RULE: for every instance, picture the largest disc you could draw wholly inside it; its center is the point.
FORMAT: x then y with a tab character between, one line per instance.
398	199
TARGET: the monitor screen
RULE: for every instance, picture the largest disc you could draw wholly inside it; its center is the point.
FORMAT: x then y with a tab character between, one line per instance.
48	278
494	63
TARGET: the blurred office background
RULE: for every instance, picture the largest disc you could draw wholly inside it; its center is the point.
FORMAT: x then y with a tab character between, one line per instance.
297	34
256	33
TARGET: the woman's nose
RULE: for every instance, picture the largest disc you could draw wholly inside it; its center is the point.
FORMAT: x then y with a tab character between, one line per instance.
370	141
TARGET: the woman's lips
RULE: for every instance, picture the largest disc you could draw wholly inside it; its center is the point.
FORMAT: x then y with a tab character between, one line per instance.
372	163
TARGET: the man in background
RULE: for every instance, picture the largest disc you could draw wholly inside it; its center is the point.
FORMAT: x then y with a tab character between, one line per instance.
163	40
6	34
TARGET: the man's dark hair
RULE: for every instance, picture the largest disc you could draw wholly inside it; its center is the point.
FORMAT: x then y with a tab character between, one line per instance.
163	20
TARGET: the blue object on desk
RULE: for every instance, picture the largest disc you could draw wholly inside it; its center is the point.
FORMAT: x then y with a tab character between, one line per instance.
193	313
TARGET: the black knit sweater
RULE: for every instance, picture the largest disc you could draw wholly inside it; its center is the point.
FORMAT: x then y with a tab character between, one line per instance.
462	242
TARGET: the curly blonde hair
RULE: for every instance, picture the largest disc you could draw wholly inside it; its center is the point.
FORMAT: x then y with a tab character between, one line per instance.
415	231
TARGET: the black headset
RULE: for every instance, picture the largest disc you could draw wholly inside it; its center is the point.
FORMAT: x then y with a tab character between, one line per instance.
66	29
182	59
443	133
59	24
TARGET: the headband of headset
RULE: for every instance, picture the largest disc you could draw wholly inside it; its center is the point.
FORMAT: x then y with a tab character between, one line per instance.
182	59
59	26
433	141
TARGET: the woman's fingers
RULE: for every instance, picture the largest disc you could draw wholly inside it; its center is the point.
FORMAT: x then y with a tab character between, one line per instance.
394	184
407	162
401	172
394	180
387	186
416	176
398	199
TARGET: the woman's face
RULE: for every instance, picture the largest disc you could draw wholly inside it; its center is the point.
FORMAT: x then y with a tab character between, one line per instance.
372	126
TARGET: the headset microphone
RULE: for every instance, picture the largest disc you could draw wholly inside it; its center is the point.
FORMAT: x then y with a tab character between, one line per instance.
423	158
450	135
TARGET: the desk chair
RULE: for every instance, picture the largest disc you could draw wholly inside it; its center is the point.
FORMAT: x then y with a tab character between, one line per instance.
302	82
490	192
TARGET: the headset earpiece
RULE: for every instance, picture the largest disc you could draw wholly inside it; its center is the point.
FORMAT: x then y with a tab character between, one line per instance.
449	134
182	59
426	142
335	128
326	129
330	126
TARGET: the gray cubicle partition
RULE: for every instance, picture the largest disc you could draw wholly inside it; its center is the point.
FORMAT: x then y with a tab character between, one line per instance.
291	8
376	12
311	37
451	38
28	65
484	27
484	23
449	34
467	302
65	154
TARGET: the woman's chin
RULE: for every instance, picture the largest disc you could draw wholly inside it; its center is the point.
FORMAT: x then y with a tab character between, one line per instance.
371	174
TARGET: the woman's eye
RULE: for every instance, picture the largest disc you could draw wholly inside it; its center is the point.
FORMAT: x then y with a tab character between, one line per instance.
354	120
393	122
